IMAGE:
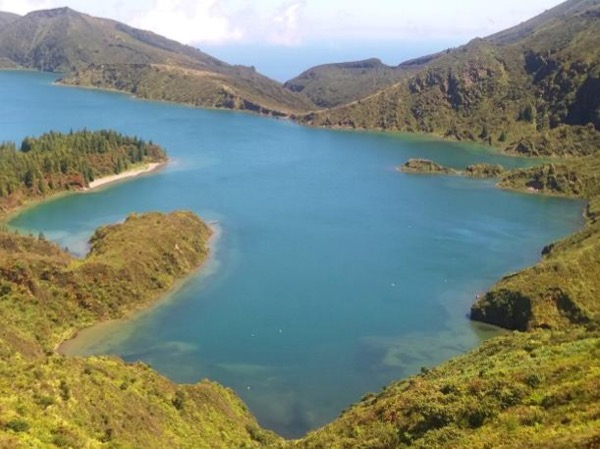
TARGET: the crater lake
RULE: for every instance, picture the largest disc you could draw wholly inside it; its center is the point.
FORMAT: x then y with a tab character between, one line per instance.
333	273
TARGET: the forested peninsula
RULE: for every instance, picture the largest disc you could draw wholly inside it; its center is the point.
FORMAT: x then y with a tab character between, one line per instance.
55	162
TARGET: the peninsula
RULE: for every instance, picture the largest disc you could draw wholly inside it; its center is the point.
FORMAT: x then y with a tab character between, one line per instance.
46	295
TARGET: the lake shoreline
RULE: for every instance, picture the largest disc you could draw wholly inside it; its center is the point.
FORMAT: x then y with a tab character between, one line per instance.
104	182
132	173
144	169
81	337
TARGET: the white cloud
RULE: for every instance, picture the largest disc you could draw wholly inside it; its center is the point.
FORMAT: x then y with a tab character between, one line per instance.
287	24
299	22
189	21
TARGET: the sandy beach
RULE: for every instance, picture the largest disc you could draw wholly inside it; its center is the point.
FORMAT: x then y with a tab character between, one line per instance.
124	175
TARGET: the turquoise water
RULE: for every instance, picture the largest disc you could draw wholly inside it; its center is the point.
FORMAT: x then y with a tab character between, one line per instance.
333	273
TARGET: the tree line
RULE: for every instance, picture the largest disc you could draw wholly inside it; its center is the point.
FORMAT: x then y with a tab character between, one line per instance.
55	162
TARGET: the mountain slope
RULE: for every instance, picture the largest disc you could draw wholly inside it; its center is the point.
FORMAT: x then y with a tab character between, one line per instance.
331	85
63	40
528	390
522	90
7	17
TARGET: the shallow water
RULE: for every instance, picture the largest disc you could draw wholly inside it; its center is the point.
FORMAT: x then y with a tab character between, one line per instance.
334	273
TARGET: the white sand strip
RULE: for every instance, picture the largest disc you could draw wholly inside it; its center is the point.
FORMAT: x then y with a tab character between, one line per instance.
124	175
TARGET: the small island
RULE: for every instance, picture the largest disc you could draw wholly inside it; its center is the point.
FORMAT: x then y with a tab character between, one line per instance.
426	166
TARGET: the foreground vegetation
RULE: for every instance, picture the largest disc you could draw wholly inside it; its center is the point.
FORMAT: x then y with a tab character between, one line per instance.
529	390
49	400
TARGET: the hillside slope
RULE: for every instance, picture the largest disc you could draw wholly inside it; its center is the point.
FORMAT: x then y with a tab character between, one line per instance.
519	391
332	85
64	40
522	90
7	17
49	400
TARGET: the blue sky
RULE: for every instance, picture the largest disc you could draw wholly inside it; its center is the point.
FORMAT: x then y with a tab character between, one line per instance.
300	33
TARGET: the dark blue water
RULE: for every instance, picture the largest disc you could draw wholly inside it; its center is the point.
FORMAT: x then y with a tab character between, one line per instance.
333	273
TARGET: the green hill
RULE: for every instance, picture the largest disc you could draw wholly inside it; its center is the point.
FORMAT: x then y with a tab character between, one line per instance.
49	400
529	390
91	51
522	90
331	85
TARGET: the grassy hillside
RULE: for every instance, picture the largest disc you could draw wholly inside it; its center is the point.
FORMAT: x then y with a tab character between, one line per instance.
532	90
48	400
243	90
63	40
331	85
519	391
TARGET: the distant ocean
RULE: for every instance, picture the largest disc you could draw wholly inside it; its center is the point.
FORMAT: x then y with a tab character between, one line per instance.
284	63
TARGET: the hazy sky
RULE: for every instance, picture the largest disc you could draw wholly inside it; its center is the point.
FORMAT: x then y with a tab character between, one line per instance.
224	25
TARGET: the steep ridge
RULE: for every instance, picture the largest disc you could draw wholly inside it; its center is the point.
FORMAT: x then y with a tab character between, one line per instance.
522	90
91	50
